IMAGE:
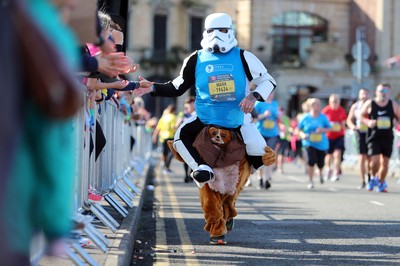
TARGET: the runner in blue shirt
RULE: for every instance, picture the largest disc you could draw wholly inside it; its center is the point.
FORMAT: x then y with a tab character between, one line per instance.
267	115
313	127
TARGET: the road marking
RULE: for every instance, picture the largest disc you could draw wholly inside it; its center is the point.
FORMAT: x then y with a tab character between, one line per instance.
280	222
297	179
377	203
180	224
161	236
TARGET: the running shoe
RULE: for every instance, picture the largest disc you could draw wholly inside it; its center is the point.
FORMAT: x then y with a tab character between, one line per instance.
94	194
229	224
261	184
202	175
372	183
218	240
328	174
94	197
335	178
311	185
267	184
381	187
167	171
76	237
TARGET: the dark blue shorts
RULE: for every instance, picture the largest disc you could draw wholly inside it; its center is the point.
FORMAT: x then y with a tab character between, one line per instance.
336	144
362	143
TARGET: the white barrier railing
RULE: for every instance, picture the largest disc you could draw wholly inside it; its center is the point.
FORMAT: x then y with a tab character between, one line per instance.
114	174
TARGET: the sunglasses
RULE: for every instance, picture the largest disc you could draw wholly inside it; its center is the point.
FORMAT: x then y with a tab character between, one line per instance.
223	30
383	91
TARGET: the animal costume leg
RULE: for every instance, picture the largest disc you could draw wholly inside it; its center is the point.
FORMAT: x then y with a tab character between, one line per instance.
217	207
211	203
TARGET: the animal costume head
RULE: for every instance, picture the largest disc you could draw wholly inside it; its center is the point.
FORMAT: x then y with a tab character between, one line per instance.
220	137
218	36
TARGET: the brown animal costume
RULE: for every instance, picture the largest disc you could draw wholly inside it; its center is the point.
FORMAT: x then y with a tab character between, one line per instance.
224	151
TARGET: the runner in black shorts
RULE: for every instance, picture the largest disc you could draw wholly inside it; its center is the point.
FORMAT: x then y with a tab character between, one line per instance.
378	114
354	123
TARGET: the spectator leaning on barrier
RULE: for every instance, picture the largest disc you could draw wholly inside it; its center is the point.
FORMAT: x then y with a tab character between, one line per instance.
38	196
140	113
9	110
380	114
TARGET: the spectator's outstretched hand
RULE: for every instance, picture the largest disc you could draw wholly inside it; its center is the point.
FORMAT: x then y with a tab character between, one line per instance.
130	66
145	87
115	63
111	64
120	84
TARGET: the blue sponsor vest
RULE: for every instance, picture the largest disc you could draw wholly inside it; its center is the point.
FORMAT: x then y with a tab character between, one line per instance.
220	87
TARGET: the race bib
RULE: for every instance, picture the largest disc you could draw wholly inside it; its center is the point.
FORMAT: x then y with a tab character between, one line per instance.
383	122
363	127
268	124
315	137
222	88
336	127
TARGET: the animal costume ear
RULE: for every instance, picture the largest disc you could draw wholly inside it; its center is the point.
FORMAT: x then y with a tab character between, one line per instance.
212	131
226	135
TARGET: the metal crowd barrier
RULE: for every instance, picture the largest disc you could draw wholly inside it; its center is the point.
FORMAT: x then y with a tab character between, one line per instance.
351	153
114	175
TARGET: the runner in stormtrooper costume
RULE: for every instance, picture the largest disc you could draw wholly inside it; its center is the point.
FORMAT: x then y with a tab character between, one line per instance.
221	73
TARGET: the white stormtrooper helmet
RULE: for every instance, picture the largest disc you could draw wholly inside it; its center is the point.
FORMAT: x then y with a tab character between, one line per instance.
218	35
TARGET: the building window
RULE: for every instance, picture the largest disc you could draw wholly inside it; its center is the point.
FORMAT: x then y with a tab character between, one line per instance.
160	36
293	33
196	33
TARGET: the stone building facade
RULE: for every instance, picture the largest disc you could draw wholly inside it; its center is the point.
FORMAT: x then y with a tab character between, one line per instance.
305	44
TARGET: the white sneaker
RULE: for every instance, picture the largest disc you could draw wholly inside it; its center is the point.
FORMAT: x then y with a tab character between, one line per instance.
335	178
311	185
328	174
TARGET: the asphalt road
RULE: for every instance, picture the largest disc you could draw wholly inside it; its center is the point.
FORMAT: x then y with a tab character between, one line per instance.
333	224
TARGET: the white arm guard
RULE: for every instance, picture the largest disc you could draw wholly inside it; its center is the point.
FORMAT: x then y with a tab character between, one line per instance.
261	78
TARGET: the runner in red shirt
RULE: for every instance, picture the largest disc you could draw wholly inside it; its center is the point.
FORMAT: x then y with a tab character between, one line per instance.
337	116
